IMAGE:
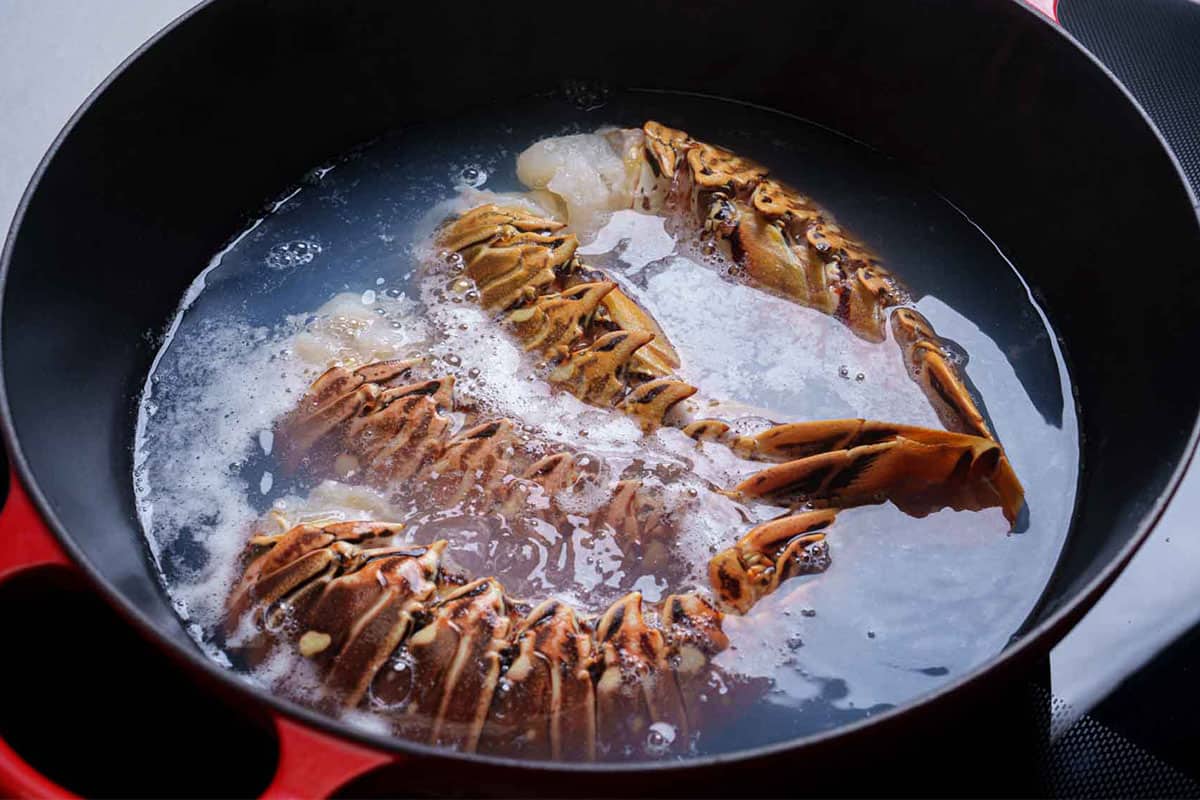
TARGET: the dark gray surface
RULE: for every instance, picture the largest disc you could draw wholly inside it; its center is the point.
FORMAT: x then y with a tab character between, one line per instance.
1153	47
56	52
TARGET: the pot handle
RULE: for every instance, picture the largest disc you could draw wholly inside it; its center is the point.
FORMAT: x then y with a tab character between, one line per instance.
1047	7
19	780
25	543
313	764
310	764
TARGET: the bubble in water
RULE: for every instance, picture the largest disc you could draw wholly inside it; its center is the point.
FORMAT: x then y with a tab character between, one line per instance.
292	254
264	485
860	377
317	174
452	359
276	617
794	642
503	688
460	285
471	176
844	371
392	687
368	297
659	738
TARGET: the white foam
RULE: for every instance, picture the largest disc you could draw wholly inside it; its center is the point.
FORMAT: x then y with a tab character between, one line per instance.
218	387
210	407
635	238
333	500
774	358
351	331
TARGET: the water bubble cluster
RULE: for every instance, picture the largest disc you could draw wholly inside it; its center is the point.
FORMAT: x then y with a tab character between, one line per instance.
586	95
659	738
292	254
471	176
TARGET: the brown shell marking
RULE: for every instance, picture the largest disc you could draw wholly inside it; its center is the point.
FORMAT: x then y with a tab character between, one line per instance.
367	613
397	437
925	359
635	688
658	358
492	222
782	240
545	705
768	555
855	462
402	435
554	322
475	462
652	401
456	662
296	556
515	269
334	397
596	374
604	343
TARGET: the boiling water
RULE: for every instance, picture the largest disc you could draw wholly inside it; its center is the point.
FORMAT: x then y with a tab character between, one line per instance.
333	275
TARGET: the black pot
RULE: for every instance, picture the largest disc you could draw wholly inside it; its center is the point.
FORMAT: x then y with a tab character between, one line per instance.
985	99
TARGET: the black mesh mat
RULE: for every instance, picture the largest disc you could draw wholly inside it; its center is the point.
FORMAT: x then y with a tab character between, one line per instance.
1086	759
1153	47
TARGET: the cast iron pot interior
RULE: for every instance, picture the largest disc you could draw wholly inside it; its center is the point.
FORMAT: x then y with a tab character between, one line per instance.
983	100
